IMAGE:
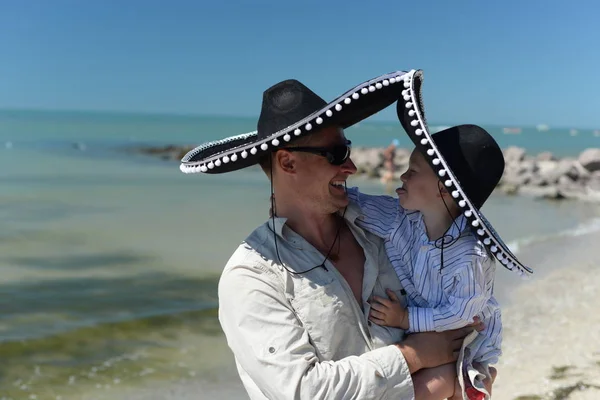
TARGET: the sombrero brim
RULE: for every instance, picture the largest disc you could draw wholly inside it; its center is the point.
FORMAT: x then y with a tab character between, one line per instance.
241	151
412	117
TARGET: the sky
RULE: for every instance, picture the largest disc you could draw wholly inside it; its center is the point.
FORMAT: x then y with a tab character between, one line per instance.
504	62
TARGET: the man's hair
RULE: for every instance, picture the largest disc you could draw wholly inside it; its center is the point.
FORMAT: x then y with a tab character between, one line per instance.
266	160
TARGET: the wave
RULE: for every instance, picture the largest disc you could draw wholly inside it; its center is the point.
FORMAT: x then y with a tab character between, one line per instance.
584	228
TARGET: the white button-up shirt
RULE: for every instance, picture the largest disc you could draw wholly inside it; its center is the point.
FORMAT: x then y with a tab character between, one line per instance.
304	336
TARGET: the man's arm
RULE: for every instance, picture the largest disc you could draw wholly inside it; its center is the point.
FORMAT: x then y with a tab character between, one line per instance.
272	346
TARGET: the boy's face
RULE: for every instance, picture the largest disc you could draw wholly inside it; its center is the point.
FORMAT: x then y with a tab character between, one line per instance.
419	189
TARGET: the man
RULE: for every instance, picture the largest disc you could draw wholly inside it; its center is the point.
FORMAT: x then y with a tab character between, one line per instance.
294	297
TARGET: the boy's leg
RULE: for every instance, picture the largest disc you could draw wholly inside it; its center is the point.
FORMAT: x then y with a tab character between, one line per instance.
435	383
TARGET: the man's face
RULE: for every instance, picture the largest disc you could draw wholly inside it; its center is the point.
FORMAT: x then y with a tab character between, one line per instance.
318	182
419	189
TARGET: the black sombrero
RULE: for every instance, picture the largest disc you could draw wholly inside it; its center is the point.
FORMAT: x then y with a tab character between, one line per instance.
468	161
289	111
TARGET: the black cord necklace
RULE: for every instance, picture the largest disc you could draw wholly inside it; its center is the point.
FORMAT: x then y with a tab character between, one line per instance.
441	241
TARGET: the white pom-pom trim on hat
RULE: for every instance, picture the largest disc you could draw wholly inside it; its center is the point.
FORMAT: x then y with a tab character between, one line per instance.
462	201
276	139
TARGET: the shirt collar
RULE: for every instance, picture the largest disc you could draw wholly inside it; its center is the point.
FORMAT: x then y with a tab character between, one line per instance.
353	211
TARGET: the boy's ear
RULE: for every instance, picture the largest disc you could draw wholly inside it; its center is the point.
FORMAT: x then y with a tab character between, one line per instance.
442	189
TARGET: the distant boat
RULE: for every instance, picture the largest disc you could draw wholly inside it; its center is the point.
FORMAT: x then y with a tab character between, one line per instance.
542	127
511	131
573	132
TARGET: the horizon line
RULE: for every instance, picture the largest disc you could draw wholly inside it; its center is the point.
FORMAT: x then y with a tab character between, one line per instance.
196	115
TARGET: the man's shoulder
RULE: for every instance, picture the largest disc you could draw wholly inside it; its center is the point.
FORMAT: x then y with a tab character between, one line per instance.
252	253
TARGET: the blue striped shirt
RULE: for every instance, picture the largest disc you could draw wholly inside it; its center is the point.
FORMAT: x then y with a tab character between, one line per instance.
439	297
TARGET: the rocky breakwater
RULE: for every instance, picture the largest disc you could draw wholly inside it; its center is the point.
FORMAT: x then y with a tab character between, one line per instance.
542	175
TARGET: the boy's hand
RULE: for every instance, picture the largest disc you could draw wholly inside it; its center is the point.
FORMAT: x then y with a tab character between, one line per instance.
388	312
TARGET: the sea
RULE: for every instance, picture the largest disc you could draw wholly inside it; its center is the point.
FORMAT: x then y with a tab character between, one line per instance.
110	259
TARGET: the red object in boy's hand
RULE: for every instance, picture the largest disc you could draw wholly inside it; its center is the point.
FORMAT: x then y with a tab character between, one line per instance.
474	394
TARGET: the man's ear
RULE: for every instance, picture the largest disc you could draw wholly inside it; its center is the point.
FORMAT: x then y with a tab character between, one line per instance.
286	161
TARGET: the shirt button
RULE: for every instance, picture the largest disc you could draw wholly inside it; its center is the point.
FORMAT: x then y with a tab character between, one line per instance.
271	350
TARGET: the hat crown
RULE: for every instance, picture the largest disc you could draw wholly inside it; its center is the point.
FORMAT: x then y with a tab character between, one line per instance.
285	104
474	157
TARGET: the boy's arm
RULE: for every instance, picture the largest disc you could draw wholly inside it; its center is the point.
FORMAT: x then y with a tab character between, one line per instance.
466	299
378	211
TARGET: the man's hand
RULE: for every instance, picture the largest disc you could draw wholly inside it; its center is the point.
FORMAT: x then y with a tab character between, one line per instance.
430	349
388	312
487	382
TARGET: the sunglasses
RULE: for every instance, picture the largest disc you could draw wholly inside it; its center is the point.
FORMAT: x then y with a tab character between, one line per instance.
335	155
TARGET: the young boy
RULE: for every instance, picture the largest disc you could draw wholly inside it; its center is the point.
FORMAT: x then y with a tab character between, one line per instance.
446	271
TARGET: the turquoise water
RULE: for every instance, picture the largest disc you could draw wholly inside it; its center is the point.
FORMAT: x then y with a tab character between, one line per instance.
59	130
110	261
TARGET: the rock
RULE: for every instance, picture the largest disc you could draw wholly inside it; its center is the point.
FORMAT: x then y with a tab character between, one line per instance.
545	173
401	159
590	159
545	156
594	181
368	160
580	172
544	167
548	192
519	173
509	189
549	172
170	152
514	154
541	176
570	189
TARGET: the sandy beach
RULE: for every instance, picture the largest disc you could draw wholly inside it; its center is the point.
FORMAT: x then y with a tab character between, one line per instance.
552	328
551	346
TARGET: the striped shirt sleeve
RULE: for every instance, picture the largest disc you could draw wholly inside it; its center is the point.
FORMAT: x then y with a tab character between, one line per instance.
379	212
465	295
